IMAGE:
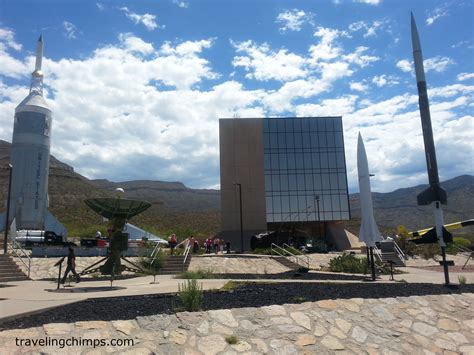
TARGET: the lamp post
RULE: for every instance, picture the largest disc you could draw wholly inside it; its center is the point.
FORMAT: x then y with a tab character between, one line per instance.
7	215
241	221
316	198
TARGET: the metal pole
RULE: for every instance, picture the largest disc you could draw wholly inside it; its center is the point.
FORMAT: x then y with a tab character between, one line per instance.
372	262
7	217
241	221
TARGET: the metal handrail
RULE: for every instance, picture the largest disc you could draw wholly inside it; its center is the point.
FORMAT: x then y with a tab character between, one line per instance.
378	253
155	253
15	245
298	252
462	249
186	253
399	251
289	254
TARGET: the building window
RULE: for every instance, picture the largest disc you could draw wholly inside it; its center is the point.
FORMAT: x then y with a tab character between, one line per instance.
304	161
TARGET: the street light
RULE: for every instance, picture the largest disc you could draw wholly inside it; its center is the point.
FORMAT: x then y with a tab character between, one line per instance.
316	198
7	215
241	222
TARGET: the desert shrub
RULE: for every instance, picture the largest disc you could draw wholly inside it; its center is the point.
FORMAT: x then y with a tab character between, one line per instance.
348	263
232	340
462	279
462	242
200	274
190	296
230	286
158	263
428	251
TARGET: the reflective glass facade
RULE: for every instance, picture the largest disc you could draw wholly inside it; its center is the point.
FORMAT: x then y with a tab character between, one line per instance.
305	167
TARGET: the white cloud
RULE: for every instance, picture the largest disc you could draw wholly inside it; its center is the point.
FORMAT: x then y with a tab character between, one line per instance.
358	86
147	20
327	48
465	76
359	58
293	20
384	79
100	6
438	64
262	63
141	105
10	67
370	29
135	44
437	13
329	107
70	29
181	4
369	2
405	65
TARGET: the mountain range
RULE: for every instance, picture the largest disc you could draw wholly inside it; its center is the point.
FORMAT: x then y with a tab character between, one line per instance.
180	209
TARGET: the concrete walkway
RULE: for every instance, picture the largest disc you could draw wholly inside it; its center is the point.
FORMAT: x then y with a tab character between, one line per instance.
25	297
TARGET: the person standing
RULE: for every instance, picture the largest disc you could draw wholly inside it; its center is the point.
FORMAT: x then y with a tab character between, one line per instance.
71	266
216	245
172	241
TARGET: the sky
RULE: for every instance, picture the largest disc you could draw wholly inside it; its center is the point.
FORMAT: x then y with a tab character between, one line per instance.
137	87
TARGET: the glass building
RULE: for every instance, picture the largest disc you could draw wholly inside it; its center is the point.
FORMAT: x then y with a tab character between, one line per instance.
283	173
305	170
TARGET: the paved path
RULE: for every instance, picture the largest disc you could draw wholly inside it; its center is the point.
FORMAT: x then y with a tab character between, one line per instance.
405	325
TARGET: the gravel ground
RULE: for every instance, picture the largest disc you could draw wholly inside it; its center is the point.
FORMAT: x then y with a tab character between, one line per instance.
291	275
246	295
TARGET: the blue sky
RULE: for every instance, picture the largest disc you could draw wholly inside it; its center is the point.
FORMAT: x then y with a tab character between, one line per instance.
137	87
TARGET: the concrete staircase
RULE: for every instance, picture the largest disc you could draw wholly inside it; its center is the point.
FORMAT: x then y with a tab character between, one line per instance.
9	270
386	256
174	265
285	262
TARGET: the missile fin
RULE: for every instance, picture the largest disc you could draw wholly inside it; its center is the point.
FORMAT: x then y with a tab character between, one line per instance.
431	194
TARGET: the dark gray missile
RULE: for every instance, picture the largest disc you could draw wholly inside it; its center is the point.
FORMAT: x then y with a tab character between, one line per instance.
434	191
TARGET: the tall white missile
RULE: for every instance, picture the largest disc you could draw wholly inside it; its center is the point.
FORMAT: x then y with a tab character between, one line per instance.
369	232
29	200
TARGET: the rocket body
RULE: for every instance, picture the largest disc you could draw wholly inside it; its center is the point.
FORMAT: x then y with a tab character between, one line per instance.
30	160
434	192
30	155
369	232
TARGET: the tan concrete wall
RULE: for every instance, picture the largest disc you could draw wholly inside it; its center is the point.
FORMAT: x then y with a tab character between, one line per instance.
241	160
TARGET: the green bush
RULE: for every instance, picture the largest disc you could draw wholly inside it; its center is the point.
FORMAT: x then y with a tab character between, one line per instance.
158	263
349	263
190	296
200	274
462	279
462	242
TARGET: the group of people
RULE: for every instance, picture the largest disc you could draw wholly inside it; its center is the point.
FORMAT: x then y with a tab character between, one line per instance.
210	244
218	245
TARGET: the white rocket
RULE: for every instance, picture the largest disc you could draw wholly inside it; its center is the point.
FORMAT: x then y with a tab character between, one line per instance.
369	233
29	200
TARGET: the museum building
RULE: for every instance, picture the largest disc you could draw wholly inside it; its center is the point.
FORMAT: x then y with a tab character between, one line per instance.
285	173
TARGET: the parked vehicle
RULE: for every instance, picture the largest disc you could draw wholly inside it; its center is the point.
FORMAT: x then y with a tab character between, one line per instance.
30	238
